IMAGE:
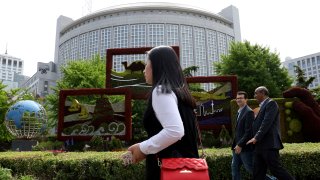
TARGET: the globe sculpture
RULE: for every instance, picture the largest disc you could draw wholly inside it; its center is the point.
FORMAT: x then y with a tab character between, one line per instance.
26	119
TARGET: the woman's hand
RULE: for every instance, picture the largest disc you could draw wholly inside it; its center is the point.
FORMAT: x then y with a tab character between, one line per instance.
137	155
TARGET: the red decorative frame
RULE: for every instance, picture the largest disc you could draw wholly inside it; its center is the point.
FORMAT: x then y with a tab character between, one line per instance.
93	91
127	51
215	79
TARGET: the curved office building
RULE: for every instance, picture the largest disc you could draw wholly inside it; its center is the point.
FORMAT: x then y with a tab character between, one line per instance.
201	35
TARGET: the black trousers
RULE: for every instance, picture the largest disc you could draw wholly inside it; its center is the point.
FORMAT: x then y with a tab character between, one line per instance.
152	168
262	160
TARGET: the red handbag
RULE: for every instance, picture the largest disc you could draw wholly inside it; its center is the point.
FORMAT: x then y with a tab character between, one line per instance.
184	169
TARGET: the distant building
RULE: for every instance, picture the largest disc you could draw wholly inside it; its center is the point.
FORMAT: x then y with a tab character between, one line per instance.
43	80
310	64
9	66
21	79
201	35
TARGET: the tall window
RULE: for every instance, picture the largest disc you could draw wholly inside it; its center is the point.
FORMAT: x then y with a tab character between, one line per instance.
120	36
186	46
172	34
155	34
212	50
61	60
222	44
308	62
120	41
74	48
303	64
200	51
105	41
138	35
229	39
83	46
93	43
299	63
66	51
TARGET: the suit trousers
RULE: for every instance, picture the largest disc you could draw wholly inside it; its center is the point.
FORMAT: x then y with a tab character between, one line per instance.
262	160
245	159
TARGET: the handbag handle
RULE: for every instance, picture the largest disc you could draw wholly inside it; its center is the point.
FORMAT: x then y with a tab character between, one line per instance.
203	155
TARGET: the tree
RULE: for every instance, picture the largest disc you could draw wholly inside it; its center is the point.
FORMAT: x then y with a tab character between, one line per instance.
76	74
301	80
187	72
255	66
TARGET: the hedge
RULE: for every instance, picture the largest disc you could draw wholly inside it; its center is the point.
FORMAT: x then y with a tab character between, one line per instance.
301	160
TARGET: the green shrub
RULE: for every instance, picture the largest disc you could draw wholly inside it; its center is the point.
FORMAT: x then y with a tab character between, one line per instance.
48	145
97	143
301	160
27	177
5	174
114	144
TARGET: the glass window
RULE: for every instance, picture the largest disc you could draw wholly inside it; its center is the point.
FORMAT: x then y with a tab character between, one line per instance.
290	66
212	50
138	35
74	48
93	43
200	51
120	36
303	64
172	34
299	63
186	46
313	61
105	41
155	34
222	44
308	62
83	46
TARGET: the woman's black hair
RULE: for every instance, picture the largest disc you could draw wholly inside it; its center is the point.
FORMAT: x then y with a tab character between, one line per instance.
167	73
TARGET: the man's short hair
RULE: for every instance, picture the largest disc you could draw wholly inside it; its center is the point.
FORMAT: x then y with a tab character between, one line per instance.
243	93
263	89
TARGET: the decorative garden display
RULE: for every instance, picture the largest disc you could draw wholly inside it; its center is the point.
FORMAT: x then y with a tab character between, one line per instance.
26	119
308	110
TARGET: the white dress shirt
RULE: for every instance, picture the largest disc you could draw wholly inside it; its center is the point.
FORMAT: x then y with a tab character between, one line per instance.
166	110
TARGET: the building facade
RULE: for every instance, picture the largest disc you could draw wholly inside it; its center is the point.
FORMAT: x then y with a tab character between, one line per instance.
310	64
9	66
201	35
41	83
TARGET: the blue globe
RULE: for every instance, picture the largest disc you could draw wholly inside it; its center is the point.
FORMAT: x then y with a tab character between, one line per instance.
26	119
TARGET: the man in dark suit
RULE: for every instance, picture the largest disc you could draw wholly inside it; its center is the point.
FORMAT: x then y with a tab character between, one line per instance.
267	140
242	153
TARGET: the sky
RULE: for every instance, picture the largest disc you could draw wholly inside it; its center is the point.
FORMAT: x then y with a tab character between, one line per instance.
289	28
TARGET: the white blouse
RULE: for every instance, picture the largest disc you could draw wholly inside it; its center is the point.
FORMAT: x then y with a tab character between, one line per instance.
166	110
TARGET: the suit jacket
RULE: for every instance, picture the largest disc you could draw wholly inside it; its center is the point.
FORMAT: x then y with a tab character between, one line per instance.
243	129
266	127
